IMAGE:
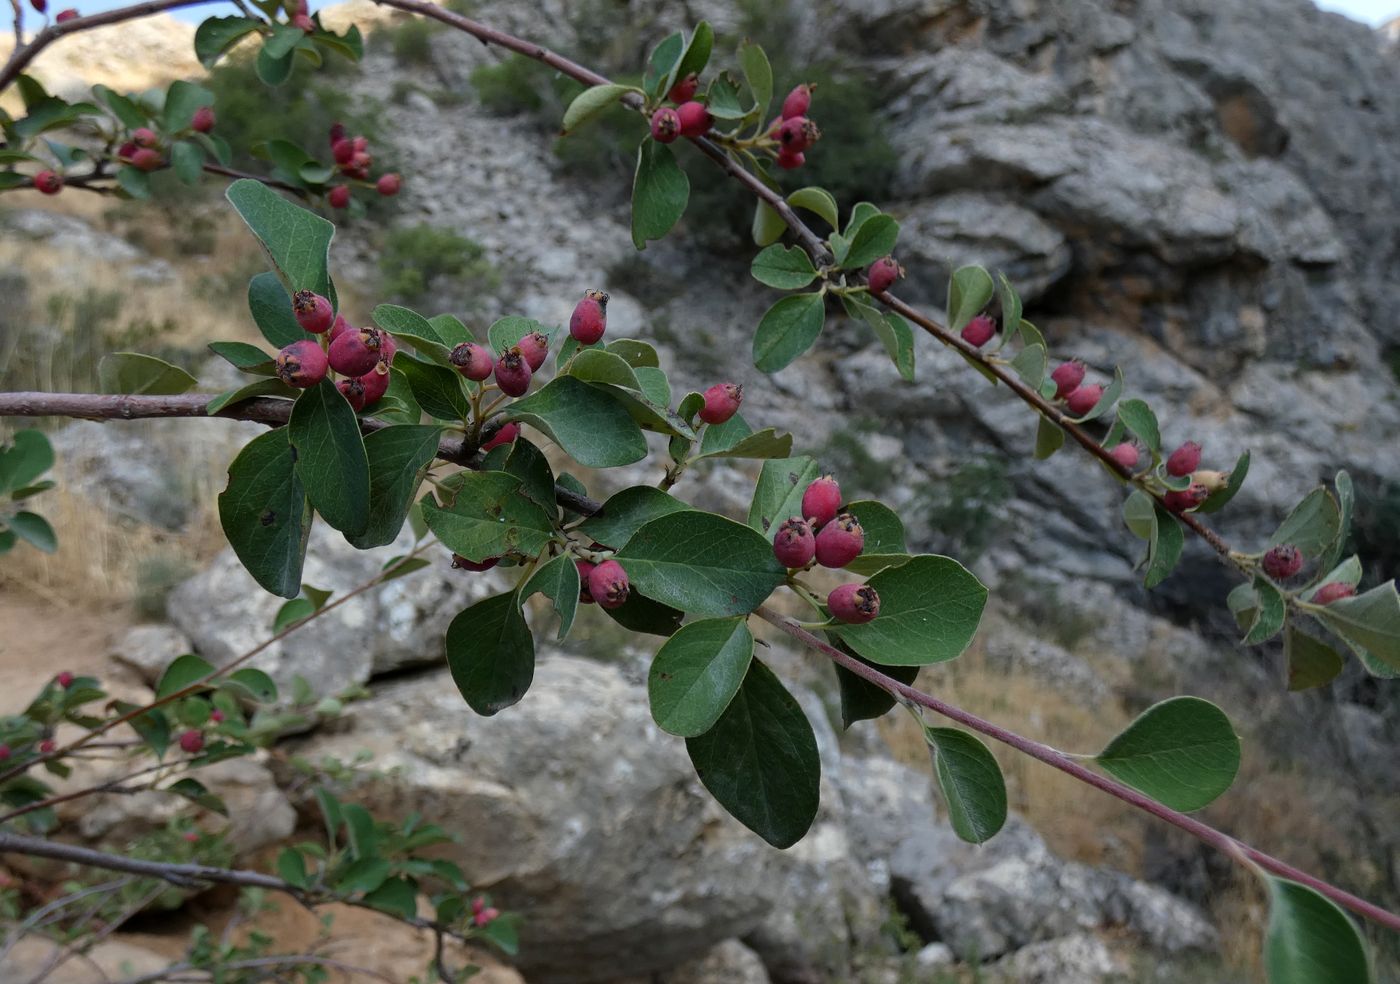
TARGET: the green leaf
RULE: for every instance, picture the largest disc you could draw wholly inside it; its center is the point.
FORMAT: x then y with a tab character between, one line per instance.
660	191
182	101
183	673
589	425
1313	524
265	514
788	329
929	612
1029	364
291	867
364	875
592	102
722	99
296	241
1182	752
778	494
1311	662
558	580
491	654
884	535
760	760
628	511
1346	501
767	443
1165	549
1269	613
125	110
1310	940
697	52
132	373
436	389
134	182
271	307
216	35
253	684
488	518
702	563
1106	402
417	330
875	238
892	330
506	332
970	289
34	530
661	66
1049	438
862	700
819	201
784	267
768	225
1138	418
527	463
1370	620
1217	499
396	457
258	387
759	75
271	70
197	793
330	457
641	614
601	366
245	357
637	354
28	456
696	674
971	782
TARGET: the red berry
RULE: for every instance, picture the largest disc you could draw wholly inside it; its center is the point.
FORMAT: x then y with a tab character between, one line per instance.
472	360
359	164
1334	591
313	312
301	364
797	134
460	563
665	125
146	159
486	916
305	23
794	544
508	433
585	569
375	384
126	150
1184	460
798	101
1283	561
684	89
39	5
883	273
192	741
191	837
339	196
590	317
790	160
840	541
203	120
49	182
48	746
822	501
534	346
65	679
1186	499
361	144
144	137
354	392
721	402
513	372
854	603
695	119
1067	377
66	15
979	330
608	584
4	752
478	904
1084	399
388	184
1126	454
387	348
337	133
343	151
339	326
355	352
216	716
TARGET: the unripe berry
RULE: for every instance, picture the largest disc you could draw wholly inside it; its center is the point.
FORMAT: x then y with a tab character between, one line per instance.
684	89
339	196
883	273
388	184
1283	561
144	137
979	330
608	584
1067	377
146	159
1126	454
48	182
798	101
313	312
472	360
534	346
1334	591
840	541
355	352
790	160
192	742
460	563
590	317
695	119
343	151
854	603
665	125
65	679
48	746
203	120
508	433
794	544
513	372
301	364
721	402
822	501
1214	481
1184	460
1084	399
66	15
1185	499
585	568
797	134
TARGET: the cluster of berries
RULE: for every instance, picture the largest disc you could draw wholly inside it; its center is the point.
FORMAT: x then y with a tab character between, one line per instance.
1286	560
361	355
793	130
142	151
826	536
788	137
353	158
880	277
688	118
1079	397
483	914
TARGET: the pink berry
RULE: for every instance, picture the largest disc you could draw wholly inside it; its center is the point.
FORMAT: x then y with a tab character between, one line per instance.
39	5
191	741
305	23
854	603
375	384
795	135
486	916
144	137
684	89
203	120
1126	454
794	544
65	679
590	317
216	716
513	372
1186	499
822	501
4	752
355	352
66	15
343	151
790	160
1184	460
608	584
695	119
798	101
534	346
302	364
1283	561
665	125
387	348
313	312
473	361
1084	399
338	326
460	563
48	746
191	837
979	331
478	904
48	182
1334	591
721	402
508	433
388	184
361	143
883	273
354	392
339	196
146	159
840	541
1067	377
585	570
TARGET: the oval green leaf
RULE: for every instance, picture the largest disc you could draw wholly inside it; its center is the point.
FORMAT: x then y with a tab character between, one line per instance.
1182	752
592	102
491	654
627	511
783	267
660	191
971	782
787	330
330	457
1310	940
697	673
396	457
929	612
265	515
589	424
702	563
489	517
559	581
131	373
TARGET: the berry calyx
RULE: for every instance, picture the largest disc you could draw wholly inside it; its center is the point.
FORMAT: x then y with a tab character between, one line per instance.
1184	460
790	160
1126	454
65	679
979	330
721	402
48	182
339	196
585	569
798	101
684	89
460	563
1084	399
1067	377
590	317
388	184
144	137
203	120
822	501
302	364
192	741
534	346
840	541
1179	501
794	544
356	352
1335	591
508	433
146	159
513	372
608	584
473	361
313	312
665	125
853	603
695	119
882	274
1283	561
797	134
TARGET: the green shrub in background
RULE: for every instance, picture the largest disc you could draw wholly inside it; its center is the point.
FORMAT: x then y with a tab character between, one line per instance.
421	258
